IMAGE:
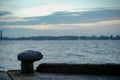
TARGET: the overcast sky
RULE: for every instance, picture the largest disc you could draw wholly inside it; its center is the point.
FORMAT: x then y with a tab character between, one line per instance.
59	17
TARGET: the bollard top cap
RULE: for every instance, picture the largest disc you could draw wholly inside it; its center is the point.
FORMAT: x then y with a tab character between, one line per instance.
30	56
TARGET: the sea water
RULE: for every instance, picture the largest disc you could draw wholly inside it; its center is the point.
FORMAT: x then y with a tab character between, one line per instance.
61	51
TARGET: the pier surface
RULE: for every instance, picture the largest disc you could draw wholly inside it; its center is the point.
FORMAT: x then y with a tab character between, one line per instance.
55	71
4	76
52	76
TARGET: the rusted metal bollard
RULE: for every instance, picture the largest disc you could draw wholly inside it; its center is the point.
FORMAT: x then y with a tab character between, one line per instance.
27	58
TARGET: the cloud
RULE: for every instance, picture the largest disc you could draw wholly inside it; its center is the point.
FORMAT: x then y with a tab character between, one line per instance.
9	17
97	28
81	17
2	13
64	18
43	10
35	27
97	25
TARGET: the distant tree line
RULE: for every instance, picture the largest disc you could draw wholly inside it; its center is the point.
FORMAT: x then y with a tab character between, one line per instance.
65	38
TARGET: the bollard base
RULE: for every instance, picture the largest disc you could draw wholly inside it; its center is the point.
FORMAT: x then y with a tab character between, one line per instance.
27	67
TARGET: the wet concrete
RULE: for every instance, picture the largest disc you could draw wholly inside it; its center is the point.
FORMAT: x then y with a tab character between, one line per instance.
102	69
16	75
4	76
48	71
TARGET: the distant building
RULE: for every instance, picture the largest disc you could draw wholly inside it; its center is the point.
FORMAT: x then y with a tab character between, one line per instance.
1	34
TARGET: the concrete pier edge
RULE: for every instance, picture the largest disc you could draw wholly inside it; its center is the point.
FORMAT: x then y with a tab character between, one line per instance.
10	75
5	76
104	69
63	68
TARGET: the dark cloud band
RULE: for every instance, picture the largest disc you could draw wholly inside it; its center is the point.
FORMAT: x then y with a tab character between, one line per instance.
69	17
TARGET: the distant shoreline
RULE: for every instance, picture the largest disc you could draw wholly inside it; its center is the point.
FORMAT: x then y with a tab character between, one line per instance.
65	38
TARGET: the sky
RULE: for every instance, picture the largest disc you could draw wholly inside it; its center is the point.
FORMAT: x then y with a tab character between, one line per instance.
20	18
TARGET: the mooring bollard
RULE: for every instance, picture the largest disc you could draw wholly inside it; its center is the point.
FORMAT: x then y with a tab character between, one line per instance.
27	58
